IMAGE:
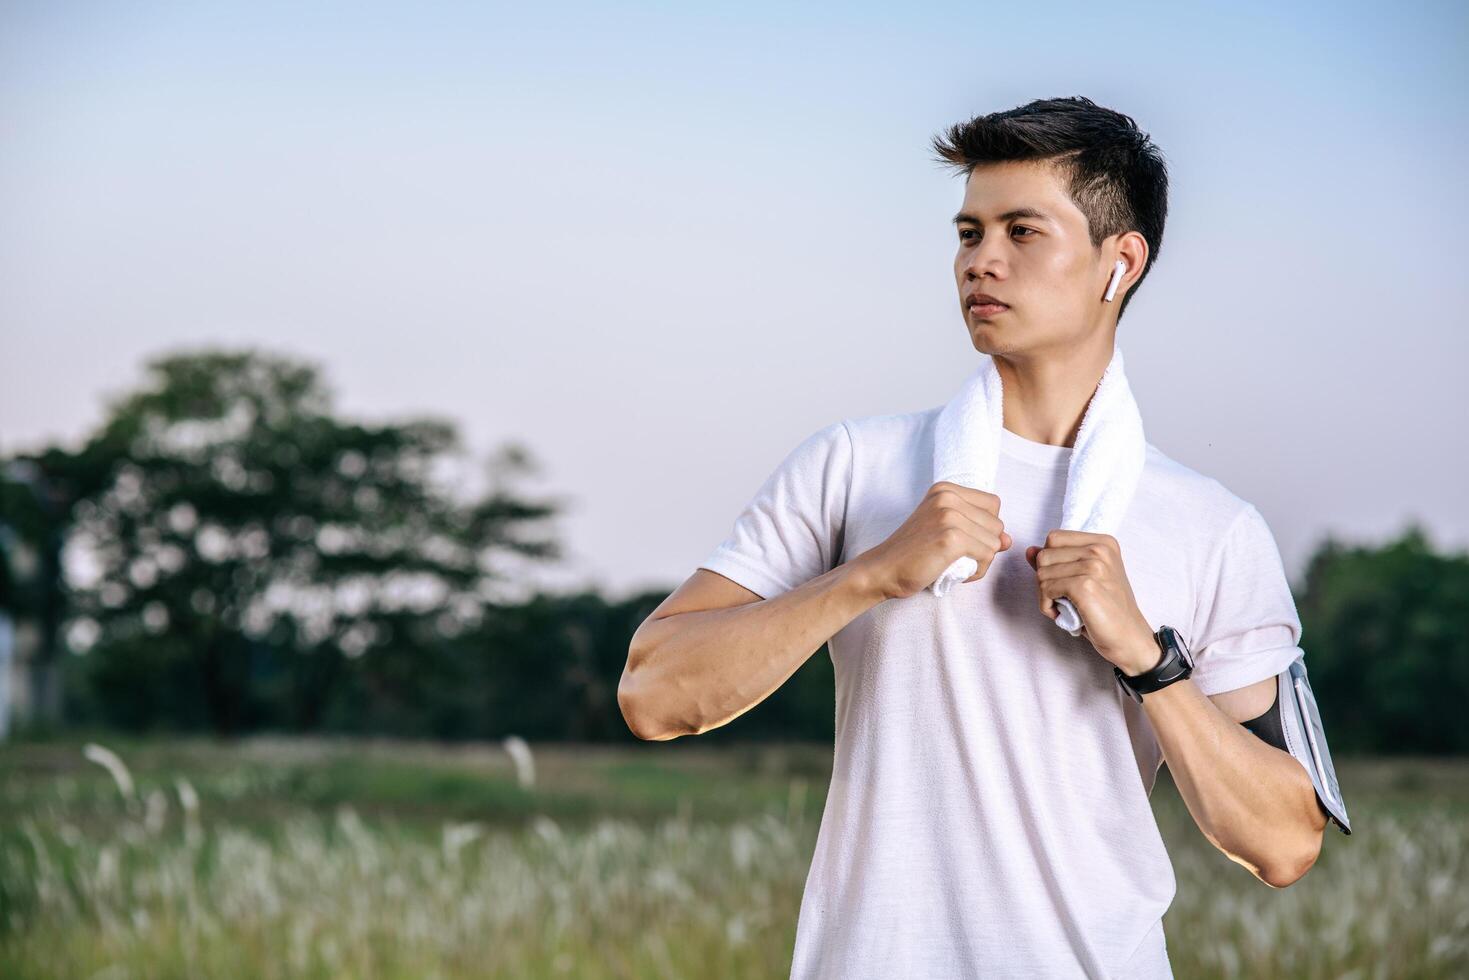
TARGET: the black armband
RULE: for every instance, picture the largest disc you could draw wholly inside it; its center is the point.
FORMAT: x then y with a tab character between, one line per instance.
1293	725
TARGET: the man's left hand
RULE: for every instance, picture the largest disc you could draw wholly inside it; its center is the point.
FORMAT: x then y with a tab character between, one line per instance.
1087	569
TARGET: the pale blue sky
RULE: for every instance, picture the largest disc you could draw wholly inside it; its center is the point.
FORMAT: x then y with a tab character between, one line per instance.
660	244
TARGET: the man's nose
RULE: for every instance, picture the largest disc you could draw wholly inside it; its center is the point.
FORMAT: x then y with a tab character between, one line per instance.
985	258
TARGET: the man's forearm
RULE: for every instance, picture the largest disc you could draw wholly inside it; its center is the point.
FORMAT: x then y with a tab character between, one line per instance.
1251	800
693	671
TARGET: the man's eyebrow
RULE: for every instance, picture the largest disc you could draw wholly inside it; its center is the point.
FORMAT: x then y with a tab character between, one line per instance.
1008	215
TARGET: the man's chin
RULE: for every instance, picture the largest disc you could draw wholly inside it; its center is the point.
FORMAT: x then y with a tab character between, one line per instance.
990	337
985	342
986	333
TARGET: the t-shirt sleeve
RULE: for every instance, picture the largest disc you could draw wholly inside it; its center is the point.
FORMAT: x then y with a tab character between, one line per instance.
791	531
1246	627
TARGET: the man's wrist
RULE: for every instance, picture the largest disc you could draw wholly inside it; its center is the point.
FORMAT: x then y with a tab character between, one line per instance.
858	577
1149	655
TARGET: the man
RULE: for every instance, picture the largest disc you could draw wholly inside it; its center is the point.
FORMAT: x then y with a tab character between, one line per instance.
988	812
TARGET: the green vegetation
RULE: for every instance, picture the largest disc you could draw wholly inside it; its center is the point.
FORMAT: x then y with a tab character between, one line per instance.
330	858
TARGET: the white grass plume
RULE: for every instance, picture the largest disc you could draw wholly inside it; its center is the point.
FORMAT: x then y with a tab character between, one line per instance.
525	766
107	759
189	800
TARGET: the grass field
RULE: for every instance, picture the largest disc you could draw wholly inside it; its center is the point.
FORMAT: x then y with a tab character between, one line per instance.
318	858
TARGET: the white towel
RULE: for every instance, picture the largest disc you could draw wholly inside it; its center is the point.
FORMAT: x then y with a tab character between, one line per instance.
1106	461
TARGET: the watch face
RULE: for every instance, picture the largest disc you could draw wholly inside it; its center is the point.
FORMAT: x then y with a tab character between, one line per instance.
1172	637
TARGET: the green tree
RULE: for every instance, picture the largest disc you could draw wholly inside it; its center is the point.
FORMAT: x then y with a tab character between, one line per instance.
1387	645
244	543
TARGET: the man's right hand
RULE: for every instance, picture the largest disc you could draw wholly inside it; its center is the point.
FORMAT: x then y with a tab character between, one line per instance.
951	521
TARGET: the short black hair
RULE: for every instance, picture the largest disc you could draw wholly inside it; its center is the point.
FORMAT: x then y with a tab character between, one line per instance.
1114	173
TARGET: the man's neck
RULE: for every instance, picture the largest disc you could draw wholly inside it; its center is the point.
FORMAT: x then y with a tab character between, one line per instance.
1046	396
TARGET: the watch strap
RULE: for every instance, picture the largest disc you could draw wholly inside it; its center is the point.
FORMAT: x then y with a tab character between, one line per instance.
1171	668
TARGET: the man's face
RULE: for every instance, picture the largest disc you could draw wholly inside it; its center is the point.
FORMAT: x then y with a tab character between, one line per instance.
1042	266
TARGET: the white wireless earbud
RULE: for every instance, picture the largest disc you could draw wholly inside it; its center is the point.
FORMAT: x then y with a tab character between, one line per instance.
1116	278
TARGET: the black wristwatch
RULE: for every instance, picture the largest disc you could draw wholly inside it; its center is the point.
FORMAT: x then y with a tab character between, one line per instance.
1175	664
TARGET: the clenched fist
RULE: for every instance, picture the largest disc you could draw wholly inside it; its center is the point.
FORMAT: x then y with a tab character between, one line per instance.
951	521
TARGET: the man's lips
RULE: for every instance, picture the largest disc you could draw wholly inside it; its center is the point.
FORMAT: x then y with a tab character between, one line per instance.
982	304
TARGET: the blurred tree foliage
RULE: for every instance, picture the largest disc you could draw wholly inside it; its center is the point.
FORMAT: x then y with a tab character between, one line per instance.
237	550
1386	635
240	559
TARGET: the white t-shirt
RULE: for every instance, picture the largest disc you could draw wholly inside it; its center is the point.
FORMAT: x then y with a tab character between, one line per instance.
988	813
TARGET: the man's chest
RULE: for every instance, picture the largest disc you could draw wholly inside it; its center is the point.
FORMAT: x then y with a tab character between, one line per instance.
1160	557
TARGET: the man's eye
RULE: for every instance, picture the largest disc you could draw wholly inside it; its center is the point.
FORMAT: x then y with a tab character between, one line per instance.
970	231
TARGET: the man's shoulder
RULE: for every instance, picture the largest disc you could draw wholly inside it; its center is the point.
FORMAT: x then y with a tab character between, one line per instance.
892	444
1171	489
892	428
868	441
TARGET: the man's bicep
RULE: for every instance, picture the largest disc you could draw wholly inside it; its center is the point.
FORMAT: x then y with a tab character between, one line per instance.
1247	703
702	591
